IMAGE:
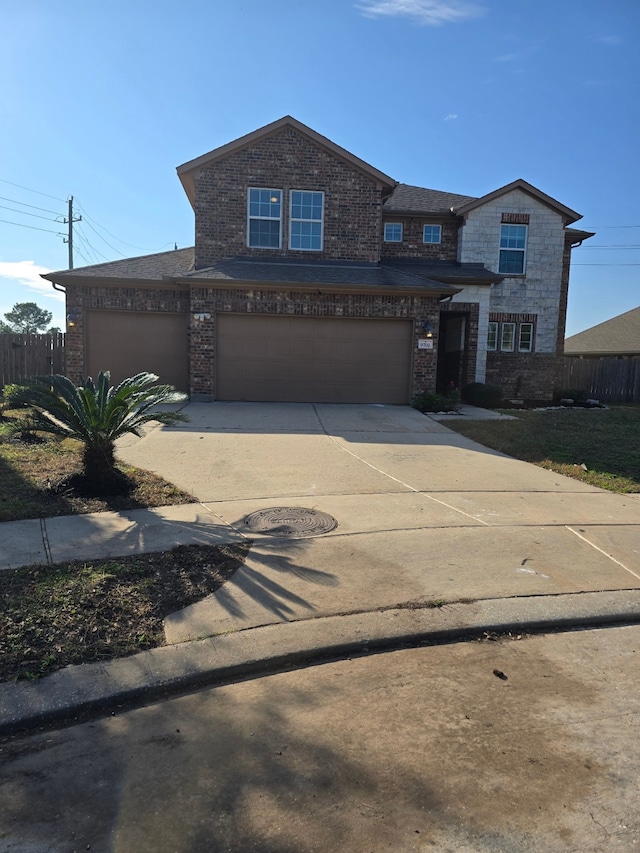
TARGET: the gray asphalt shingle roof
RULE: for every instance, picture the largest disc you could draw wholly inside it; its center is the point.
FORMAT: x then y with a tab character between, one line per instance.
618	336
146	267
291	272
420	200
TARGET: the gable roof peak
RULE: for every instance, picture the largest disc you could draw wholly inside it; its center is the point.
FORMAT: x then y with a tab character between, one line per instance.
568	215
187	170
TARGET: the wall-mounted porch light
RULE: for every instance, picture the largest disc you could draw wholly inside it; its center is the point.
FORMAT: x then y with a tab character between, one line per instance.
72	318
427	329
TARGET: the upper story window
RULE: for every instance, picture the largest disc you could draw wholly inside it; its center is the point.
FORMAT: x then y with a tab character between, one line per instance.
513	249
432	234
307	219
264	213
393	232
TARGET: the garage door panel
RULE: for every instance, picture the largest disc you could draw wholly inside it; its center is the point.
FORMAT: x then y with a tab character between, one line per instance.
129	342
303	359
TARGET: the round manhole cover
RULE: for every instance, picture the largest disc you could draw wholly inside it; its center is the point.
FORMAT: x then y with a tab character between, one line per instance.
295	521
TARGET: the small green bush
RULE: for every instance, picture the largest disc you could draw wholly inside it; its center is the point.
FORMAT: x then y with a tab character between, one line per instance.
485	396
577	394
428	402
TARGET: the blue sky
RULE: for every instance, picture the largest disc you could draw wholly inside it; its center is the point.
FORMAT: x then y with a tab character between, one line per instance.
103	100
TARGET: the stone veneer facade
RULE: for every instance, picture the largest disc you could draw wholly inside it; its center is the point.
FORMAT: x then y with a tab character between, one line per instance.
540	293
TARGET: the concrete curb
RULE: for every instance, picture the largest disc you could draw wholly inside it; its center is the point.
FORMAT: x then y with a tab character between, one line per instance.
102	688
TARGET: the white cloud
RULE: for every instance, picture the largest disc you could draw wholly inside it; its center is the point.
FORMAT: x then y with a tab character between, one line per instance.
431	13
28	273
450	117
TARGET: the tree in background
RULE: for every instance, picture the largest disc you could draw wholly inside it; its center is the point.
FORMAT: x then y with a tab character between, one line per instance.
5	328
27	318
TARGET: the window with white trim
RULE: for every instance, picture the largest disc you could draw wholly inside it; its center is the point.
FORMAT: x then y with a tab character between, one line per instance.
432	234
507	338
525	337
513	249
264	215
393	232
492	336
306	220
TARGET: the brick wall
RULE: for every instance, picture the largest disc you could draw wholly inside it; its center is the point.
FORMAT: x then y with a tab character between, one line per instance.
286	160
412	245
528	376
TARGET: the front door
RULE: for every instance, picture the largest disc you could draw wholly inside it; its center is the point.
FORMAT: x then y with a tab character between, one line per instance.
451	351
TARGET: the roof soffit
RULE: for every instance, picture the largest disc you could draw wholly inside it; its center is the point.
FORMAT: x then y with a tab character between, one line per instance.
187	170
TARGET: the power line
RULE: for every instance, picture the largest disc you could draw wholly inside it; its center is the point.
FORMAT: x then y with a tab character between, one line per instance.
37	192
113	248
26	213
88	245
33	227
33	206
605	265
106	230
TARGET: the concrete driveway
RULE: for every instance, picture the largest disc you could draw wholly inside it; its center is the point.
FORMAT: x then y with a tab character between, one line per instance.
424	514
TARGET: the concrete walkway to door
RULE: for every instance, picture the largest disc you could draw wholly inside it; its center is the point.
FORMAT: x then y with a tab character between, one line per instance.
424	515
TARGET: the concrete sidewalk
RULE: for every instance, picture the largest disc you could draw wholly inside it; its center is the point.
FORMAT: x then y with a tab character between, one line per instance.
424	516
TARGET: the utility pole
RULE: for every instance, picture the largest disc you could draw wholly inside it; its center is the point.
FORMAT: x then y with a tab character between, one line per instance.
69	221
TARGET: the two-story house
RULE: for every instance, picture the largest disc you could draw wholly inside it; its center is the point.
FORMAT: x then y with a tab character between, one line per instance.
317	278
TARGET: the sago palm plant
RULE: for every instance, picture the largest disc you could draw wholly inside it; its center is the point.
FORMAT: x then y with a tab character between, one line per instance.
95	413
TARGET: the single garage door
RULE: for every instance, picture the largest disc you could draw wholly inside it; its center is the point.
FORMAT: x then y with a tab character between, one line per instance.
312	359
128	342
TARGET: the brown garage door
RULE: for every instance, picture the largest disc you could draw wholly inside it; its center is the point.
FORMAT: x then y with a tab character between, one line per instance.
312	360
128	342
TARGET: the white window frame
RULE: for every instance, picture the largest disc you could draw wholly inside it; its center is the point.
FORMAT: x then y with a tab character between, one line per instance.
507	348
528	348
251	218
393	239
292	220
492	327
523	250
431	242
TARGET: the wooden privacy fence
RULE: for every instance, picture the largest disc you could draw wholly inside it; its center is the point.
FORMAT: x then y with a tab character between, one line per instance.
610	380
22	356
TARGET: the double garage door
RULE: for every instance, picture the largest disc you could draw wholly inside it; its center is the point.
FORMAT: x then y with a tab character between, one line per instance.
312	359
128	342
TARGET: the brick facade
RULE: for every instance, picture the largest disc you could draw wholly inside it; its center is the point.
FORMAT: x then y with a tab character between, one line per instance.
286	161
287	157
412	245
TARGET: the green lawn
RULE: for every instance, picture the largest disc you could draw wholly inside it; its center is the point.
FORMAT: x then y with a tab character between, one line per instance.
604	441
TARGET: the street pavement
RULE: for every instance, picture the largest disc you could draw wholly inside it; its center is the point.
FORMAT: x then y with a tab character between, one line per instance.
520	745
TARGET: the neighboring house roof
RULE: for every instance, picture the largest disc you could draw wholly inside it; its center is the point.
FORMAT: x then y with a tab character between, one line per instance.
618	336
186	171
567	214
145	268
408	199
350	275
